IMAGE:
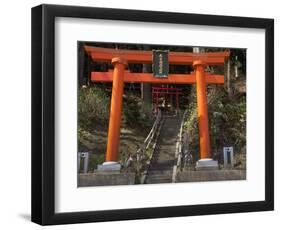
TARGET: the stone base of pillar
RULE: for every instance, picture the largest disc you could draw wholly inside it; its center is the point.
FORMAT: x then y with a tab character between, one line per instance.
109	166
207	164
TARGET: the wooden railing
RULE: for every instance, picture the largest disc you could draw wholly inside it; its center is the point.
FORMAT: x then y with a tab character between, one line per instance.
178	153
152	137
152	132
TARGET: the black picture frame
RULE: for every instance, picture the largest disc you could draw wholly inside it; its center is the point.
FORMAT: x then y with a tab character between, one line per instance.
43	110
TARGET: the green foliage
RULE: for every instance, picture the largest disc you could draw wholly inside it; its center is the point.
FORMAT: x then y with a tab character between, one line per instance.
146	118
131	110
93	113
94	160
227	121
191	124
93	118
93	106
136	113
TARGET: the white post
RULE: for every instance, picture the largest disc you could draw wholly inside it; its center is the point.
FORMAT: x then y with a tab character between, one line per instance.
78	162
86	162
228	157
85	156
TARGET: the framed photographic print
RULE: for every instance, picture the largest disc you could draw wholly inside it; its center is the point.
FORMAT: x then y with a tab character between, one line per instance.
143	114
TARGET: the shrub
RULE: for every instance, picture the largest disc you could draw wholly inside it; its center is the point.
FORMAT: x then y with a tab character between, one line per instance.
93	106
131	110
136	113
227	121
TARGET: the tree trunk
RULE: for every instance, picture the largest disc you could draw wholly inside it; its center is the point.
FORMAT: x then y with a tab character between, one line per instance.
146	87
228	78
81	67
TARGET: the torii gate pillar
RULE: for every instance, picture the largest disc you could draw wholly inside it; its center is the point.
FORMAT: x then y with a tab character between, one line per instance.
113	138
115	110
206	161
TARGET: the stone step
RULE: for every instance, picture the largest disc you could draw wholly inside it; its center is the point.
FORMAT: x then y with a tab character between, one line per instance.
161	166
160	172
158	180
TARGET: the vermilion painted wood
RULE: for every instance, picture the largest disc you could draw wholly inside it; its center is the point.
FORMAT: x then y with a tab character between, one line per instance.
112	148
199	60
160	91
139	56
149	78
202	107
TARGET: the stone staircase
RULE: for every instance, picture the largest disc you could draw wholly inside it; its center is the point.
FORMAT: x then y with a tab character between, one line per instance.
161	166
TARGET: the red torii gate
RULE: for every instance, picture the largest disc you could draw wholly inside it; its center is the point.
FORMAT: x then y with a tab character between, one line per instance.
159	91
121	58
